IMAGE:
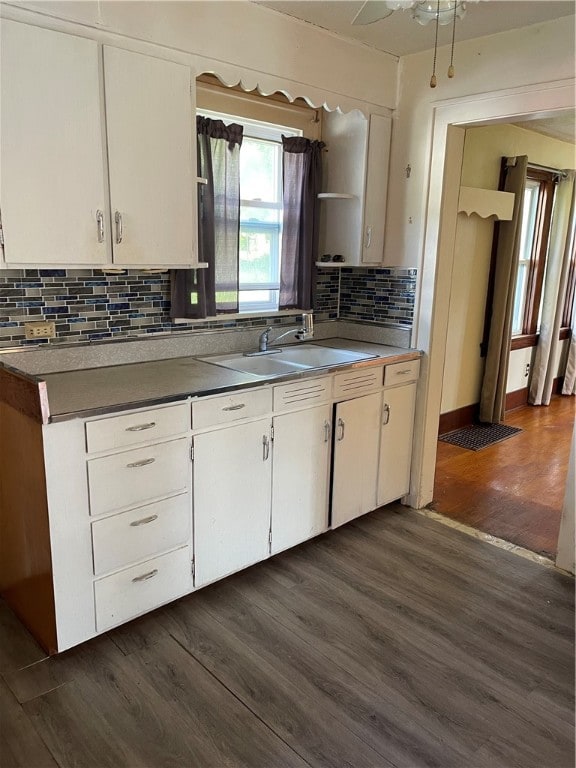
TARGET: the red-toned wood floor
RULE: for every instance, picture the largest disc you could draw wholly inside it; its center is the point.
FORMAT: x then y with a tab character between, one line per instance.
513	489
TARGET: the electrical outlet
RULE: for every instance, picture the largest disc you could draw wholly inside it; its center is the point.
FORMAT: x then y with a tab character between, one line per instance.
40	330
527	370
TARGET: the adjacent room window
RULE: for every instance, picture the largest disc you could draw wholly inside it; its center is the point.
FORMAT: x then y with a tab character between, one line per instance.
536	218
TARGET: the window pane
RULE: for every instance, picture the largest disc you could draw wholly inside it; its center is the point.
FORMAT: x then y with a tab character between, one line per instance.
526	243
259	244
259	170
520	299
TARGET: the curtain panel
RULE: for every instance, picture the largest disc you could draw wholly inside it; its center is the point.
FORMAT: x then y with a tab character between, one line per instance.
302	181
556	280
493	392
205	292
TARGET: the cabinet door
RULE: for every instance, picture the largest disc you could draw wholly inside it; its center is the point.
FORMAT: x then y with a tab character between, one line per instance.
150	128
51	151
396	443
301	471
356	438
376	189
232	478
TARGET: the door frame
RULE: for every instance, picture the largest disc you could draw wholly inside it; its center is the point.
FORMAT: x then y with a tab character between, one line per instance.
430	329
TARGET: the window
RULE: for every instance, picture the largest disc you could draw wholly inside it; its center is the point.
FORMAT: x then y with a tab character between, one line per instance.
536	218
260	211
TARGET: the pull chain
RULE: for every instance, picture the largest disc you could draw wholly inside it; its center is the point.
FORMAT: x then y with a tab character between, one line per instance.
451	67
433	78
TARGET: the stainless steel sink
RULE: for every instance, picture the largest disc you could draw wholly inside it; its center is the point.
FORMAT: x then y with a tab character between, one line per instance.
287	360
265	365
316	356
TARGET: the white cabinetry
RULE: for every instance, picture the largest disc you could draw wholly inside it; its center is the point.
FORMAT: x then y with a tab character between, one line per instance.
352	221
355	473
398	406
97	154
301	468
232	474
51	150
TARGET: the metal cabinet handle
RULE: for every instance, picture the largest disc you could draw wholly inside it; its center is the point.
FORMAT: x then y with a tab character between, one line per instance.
119	227
144	521
234	407
100	223
341	427
142	463
326	431
386	410
403	372
368	237
145	576
265	447
141	427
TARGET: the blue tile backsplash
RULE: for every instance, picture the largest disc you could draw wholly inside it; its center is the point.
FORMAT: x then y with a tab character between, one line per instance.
89	305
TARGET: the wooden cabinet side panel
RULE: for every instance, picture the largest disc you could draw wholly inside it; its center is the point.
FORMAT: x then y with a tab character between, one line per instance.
25	557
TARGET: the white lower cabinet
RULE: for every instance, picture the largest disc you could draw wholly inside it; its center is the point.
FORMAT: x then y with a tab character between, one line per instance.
301	473
355	473
396	442
232	483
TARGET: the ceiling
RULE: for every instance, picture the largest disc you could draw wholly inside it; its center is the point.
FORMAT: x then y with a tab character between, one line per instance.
562	127
400	35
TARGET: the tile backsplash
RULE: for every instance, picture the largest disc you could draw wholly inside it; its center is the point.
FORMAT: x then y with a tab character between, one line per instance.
89	305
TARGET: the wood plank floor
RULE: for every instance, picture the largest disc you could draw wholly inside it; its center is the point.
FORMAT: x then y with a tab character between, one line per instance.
393	641
514	489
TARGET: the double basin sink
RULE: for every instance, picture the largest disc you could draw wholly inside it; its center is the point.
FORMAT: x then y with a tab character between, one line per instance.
286	360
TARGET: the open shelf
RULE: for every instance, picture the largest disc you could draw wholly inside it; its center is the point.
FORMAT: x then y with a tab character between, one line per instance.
335	196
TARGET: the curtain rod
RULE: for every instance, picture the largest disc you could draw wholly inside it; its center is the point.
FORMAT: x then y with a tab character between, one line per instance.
511	162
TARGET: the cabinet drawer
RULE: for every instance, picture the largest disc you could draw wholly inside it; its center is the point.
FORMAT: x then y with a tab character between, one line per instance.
133	428
231	407
401	373
133	478
301	393
357	382
141	588
143	532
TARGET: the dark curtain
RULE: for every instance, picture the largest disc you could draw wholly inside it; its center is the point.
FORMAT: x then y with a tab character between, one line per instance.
205	292
493	392
302	180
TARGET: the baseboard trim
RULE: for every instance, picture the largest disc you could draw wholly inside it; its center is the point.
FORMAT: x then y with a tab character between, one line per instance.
461	417
516	399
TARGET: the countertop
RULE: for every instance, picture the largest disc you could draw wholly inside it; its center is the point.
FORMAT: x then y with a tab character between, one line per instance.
80	393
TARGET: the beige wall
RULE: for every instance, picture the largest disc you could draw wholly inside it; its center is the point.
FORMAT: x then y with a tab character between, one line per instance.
483	149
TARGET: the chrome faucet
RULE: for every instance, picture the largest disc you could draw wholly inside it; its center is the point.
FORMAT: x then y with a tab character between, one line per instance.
305	332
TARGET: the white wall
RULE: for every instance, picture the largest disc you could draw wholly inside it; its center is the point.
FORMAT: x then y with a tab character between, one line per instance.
483	149
241	39
538	54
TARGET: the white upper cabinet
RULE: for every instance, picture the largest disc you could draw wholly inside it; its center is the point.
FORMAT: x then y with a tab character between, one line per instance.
355	183
98	155
149	121
51	148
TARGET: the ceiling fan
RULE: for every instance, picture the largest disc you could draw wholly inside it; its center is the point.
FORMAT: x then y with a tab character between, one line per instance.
440	11
423	12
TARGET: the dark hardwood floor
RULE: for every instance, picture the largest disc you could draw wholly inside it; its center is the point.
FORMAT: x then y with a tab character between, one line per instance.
393	641
514	489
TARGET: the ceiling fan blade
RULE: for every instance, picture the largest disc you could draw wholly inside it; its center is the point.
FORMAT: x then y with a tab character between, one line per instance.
371	11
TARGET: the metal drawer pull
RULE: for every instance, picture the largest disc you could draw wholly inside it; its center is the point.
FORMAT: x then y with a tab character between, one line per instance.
142	463
403	372
119	227
326	431
145	576
234	407
100	222
144	521
341	426
386	410
368	237
265	447
141	427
